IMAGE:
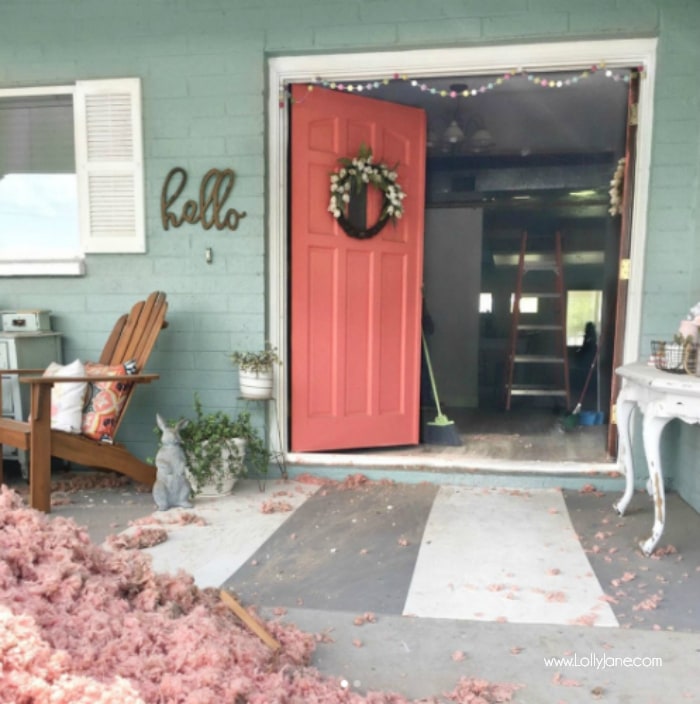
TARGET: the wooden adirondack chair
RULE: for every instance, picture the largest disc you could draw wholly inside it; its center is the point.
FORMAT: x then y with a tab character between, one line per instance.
132	338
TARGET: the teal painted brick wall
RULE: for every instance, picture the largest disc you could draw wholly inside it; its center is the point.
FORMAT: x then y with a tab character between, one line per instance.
203	70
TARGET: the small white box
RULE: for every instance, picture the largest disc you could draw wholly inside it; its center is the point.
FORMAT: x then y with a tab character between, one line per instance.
26	320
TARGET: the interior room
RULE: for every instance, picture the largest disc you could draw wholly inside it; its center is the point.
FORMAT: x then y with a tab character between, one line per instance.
508	155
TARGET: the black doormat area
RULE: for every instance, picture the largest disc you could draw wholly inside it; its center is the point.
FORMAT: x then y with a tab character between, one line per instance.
659	592
343	550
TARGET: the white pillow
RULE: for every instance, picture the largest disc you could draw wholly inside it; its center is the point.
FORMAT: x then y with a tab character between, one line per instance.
67	399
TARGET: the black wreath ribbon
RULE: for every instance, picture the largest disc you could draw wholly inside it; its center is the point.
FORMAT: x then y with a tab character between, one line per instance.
368	232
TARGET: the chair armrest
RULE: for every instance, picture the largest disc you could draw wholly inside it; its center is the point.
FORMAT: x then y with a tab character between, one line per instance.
51	380
19	372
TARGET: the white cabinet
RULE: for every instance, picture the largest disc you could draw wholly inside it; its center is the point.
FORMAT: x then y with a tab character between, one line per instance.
23	350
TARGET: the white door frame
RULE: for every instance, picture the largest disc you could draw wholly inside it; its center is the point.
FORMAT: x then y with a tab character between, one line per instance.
574	55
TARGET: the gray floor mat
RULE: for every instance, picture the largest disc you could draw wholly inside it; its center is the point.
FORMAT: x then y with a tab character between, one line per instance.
346	550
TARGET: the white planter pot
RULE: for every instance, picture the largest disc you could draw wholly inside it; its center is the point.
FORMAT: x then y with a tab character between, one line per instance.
255	385
226	472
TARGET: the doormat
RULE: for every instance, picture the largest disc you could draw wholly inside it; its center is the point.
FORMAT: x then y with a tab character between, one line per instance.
505	555
345	549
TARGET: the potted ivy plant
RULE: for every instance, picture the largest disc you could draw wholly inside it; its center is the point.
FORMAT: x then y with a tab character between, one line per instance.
220	449
255	371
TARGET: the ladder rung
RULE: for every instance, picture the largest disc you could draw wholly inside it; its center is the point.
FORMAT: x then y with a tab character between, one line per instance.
523	390
535	326
538	358
541	294
540	266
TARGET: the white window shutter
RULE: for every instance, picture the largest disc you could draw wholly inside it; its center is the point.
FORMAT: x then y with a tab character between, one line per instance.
109	165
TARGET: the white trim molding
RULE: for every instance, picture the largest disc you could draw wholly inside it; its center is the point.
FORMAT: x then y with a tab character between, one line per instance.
43	267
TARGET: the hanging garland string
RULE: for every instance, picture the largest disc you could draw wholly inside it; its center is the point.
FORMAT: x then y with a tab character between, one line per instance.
495	83
354	175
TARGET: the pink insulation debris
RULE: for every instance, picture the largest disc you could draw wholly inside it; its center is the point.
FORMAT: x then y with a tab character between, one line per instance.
660	552
590	489
179	518
555	597
138	539
649	604
558	679
626	577
276	506
84	625
588	619
353	481
367	617
473	691
32	671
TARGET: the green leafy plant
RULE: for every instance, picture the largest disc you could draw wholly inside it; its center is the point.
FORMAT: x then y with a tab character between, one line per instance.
679	339
260	361
207	434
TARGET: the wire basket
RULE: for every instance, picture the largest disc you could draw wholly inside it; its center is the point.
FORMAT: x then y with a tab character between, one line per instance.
675	357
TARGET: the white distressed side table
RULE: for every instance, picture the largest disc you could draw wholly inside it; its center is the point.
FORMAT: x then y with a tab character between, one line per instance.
660	396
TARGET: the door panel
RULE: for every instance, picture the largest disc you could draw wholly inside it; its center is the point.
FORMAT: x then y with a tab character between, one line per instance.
355	304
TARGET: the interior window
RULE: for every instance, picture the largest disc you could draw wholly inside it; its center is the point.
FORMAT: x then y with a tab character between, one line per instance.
528	304
38	187
582	307
485	303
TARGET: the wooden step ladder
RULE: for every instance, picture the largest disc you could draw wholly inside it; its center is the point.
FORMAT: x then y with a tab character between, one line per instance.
548	368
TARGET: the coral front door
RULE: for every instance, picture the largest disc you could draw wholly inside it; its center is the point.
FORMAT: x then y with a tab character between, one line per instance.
355	303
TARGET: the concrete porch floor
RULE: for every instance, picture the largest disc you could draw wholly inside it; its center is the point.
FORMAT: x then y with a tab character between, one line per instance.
448	581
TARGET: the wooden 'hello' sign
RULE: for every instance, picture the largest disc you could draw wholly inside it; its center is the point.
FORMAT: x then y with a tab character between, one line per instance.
214	190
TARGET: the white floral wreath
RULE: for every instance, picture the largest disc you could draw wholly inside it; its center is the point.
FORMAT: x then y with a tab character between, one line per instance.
616	188
354	175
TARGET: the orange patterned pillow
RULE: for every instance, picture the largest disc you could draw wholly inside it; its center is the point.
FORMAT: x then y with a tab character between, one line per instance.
105	400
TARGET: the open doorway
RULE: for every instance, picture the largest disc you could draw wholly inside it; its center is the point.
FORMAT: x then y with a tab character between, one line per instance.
536	155
499	213
521	159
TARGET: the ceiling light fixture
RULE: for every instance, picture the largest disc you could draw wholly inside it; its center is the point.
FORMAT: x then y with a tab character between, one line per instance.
454	133
472	131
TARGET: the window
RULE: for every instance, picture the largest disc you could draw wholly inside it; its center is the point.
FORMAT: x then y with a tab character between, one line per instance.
528	304
71	175
581	307
485	303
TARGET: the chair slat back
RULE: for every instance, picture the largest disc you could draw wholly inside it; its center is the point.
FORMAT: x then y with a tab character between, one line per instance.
134	336
108	350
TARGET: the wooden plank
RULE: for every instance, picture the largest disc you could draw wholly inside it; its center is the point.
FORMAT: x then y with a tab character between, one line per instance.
15	433
91	453
40	448
249	620
112	340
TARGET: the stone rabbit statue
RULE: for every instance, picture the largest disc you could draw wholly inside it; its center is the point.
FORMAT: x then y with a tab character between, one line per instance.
171	488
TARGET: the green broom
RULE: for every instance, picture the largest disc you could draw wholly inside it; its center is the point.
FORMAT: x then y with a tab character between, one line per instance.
571	421
442	430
